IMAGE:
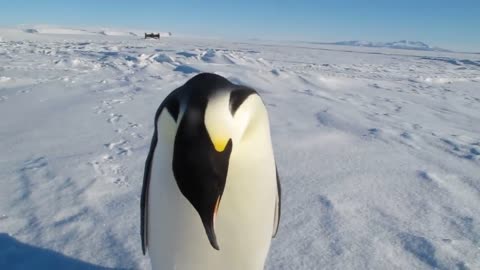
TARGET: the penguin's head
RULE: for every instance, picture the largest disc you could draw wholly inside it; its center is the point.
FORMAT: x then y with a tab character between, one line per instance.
214	117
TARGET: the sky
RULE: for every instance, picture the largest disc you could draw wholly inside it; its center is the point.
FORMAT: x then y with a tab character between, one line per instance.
451	24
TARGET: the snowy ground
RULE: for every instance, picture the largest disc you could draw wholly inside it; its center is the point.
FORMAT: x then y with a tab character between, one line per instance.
378	150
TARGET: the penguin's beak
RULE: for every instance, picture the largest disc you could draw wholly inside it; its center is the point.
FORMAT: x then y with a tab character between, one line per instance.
200	166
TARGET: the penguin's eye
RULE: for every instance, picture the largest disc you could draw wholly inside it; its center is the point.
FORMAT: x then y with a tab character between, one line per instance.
173	107
237	97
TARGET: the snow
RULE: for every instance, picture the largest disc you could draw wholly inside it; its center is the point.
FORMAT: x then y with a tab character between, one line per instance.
116	33
88	32
401	44
4	79
378	151
57	31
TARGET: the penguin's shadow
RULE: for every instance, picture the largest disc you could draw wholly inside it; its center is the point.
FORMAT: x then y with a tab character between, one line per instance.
15	255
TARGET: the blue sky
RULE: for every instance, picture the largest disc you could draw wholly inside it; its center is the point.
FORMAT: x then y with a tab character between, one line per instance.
453	24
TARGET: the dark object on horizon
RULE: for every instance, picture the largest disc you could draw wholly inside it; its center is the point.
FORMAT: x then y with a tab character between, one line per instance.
152	35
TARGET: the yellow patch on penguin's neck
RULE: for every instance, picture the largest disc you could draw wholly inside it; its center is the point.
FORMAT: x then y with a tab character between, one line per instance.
218	120
220	143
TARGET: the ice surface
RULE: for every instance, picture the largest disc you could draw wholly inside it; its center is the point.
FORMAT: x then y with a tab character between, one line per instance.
378	150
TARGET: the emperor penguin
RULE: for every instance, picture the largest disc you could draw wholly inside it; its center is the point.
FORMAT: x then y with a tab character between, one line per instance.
211	192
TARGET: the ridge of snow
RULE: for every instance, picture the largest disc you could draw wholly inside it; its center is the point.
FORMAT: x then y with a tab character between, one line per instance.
401	44
91	31
116	33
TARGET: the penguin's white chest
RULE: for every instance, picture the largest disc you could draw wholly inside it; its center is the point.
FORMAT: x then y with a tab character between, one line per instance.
244	223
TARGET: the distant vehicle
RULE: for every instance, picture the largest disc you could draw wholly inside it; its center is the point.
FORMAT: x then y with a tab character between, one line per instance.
152	35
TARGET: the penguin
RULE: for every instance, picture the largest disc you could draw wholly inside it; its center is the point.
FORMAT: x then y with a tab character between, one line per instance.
211	194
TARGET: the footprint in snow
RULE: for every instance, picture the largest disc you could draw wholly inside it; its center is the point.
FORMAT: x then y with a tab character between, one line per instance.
421	248
25	91
124	151
112	145
137	136
133	125
130	126
99	110
406	135
114	118
461	149
106	169
121	148
374	132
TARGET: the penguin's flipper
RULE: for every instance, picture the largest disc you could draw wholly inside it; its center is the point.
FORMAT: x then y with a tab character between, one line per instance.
144	198
278	206
173	108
